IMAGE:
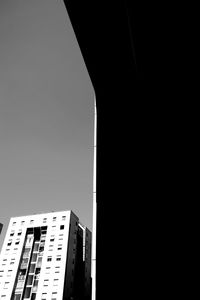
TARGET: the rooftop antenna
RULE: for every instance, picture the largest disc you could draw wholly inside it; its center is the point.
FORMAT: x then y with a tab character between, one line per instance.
94	225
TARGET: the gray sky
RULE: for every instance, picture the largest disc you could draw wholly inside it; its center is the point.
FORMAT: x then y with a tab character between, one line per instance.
46	113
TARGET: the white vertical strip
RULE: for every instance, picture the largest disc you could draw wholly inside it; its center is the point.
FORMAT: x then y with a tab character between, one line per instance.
94	208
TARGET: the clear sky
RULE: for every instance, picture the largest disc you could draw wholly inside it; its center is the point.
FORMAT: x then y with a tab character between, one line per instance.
46	113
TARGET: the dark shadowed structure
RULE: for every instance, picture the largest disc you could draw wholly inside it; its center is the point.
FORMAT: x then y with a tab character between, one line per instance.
112	56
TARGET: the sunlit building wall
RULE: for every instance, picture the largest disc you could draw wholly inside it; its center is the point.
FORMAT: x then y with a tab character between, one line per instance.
46	256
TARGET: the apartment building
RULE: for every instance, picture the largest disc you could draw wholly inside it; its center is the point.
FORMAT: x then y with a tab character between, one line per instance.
46	256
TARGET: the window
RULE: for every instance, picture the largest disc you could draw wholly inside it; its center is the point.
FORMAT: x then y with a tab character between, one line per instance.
22	222
44	220
52	240
30	280
12	233
36	247
46	281
41	249
37	271
55	282
20	285
63	218
34	257
9	244
44	295
49	258
50	247
62	227
6	284
33	296
35	283
25	260
58	258
31	221
39	262
17	243
26	252
19	233
14	223
44	228
54	218
27	292
32	268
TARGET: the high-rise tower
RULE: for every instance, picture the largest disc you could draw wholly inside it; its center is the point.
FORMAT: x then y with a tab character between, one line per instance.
46	256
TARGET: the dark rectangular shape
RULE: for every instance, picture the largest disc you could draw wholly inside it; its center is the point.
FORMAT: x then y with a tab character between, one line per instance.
34	257
33	296
27	292
1	226
36	246
32	268
30	280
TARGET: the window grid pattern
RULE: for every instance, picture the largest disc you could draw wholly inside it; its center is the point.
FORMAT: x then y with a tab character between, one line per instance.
32	261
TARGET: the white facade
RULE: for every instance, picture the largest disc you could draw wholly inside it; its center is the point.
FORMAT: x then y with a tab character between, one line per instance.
38	257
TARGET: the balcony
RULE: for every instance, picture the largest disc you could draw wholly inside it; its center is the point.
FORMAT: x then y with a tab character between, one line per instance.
24	266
